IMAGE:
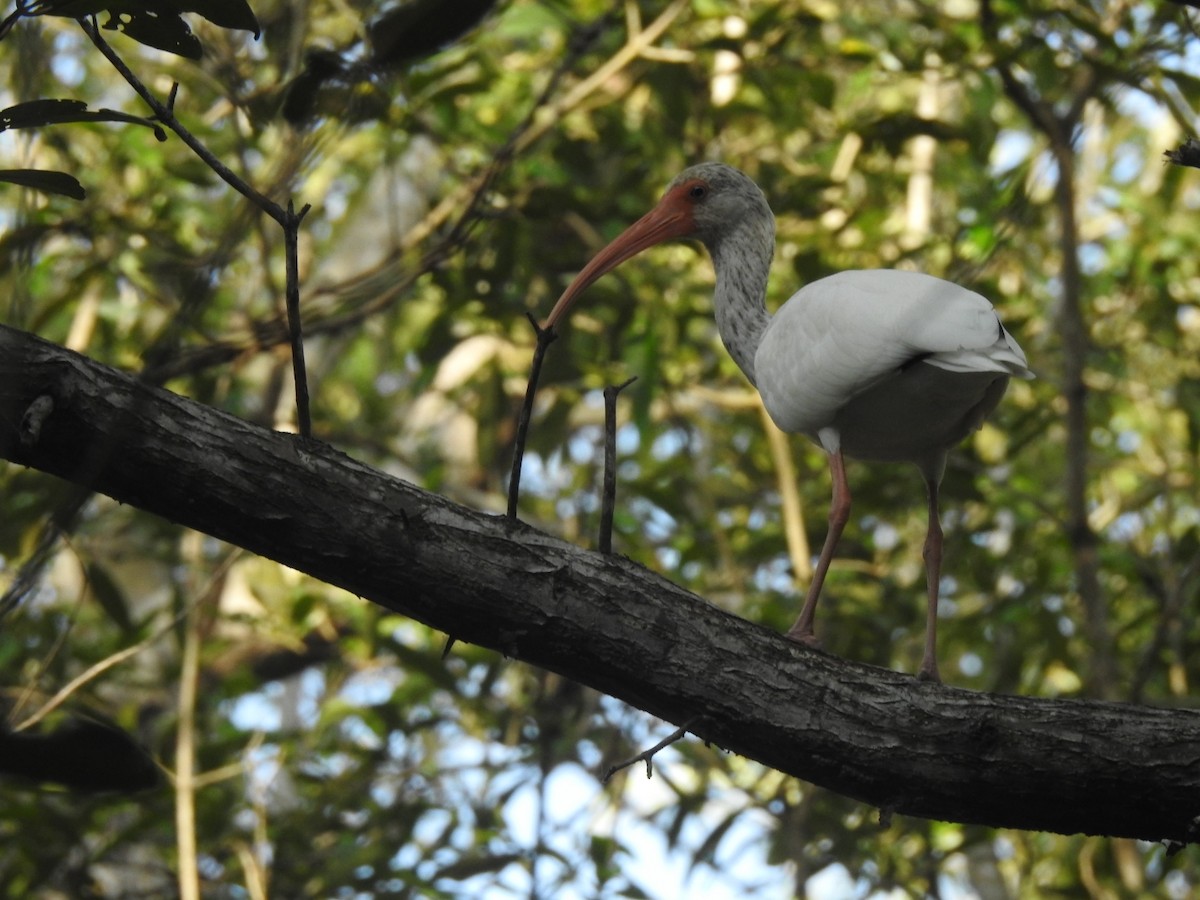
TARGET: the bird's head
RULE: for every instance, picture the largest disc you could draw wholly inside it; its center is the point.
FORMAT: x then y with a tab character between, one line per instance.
704	202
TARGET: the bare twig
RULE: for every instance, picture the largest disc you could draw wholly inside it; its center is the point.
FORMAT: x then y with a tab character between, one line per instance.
11	20
545	337
291	243
609	494
648	755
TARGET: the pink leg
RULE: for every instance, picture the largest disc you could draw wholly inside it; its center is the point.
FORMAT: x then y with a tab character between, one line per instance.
933	577
839	514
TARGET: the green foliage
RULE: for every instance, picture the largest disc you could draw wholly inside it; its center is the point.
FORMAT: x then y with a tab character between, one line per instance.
158	24
378	767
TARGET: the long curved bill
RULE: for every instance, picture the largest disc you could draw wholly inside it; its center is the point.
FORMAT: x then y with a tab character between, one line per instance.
670	219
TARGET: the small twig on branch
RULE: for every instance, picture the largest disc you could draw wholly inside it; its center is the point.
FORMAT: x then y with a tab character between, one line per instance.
648	755
291	245
545	336
609	494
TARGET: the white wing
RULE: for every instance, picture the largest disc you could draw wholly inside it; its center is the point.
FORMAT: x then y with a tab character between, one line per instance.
843	335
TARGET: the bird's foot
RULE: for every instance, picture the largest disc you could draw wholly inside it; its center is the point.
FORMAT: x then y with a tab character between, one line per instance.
929	672
804	636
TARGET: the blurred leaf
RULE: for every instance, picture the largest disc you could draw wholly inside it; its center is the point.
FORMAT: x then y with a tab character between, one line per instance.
109	596
300	96
417	28
470	866
37	113
47	182
156	29
707	851
82	755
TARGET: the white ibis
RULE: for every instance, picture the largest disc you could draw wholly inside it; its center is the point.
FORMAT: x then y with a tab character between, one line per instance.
875	365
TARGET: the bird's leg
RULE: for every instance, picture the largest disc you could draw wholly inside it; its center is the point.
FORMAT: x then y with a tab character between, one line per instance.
933	577
839	514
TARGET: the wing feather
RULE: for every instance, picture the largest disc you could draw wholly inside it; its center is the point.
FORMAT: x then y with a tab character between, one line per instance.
842	335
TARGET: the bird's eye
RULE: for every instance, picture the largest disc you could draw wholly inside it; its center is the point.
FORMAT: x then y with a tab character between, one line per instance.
698	191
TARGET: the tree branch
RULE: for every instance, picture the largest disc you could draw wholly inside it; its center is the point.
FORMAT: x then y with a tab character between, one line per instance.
908	747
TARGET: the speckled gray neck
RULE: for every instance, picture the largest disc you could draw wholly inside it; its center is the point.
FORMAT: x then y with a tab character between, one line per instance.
742	259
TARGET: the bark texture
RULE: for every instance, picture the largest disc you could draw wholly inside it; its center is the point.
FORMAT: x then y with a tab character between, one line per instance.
881	737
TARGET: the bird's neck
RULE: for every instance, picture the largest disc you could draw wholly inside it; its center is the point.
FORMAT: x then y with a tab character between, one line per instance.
742	260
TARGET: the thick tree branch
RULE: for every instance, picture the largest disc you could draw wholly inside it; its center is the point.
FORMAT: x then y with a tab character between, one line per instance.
881	737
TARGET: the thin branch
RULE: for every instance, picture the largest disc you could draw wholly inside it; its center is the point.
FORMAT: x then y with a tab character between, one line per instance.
291	244
609	493
545	337
256	880
226	772
647	755
185	760
638	41
10	21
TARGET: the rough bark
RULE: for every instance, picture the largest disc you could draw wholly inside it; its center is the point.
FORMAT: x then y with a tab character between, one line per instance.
881	737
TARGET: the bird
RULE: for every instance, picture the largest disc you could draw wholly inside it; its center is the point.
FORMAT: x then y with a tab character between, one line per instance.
878	365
